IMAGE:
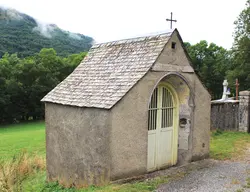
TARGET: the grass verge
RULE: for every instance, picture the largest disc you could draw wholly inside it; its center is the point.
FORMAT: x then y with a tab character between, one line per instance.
38	183
228	145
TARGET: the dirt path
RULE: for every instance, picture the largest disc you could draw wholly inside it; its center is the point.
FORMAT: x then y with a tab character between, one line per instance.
213	176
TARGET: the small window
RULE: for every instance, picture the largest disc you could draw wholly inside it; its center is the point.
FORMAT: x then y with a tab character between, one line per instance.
173	45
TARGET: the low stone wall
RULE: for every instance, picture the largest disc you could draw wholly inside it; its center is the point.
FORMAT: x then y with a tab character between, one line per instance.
225	116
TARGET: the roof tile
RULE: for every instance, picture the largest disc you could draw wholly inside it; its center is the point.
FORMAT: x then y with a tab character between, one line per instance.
108	72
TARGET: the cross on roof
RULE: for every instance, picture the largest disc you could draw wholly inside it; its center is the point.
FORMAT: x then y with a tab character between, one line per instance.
171	20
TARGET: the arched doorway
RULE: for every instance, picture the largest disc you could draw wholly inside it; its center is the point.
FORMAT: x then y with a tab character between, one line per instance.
163	127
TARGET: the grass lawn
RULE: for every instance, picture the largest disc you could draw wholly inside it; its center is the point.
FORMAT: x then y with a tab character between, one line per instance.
228	145
30	137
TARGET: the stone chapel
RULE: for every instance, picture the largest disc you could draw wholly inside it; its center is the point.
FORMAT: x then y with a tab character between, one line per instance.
131	107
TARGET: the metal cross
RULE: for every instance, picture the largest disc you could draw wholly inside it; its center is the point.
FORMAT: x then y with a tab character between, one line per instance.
237	88
171	20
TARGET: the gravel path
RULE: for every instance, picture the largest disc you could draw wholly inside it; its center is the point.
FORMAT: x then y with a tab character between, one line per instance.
212	176
205	176
221	176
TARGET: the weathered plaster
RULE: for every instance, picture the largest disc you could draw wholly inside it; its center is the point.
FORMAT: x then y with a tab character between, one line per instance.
77	145
130	131
130	127
185	110
174	60
201	118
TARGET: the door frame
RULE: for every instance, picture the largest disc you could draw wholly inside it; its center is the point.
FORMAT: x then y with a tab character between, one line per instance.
175	123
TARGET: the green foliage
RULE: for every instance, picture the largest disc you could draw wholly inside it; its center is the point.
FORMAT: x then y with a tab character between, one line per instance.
241	50
29	67
21	34
211	63
25	81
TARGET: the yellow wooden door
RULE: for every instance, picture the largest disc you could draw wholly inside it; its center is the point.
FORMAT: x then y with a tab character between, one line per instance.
162	128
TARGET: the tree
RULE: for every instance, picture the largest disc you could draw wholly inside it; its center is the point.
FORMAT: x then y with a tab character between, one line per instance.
241	50
210	62
25	81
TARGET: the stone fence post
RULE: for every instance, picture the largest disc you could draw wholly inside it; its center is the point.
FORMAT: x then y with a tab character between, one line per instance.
244	103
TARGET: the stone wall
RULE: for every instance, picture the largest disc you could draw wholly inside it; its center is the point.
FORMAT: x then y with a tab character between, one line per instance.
224	116
231	114
244	111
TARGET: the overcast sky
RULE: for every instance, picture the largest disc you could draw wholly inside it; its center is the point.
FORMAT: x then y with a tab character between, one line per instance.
107	20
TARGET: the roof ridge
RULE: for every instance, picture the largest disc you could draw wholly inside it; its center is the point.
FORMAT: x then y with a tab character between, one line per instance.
133	39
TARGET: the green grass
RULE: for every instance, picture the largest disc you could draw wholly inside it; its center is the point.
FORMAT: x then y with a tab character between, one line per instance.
228	145
28	137
247	183
38	183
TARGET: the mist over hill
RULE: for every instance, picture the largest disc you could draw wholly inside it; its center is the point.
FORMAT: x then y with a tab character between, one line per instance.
22	34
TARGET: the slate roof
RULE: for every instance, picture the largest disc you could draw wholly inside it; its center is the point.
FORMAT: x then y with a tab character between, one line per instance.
108	72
